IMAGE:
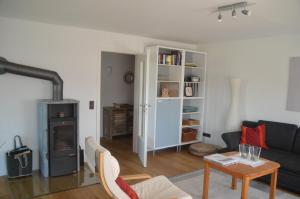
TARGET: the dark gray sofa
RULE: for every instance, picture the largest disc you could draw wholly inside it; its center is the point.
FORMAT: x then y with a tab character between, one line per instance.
283	141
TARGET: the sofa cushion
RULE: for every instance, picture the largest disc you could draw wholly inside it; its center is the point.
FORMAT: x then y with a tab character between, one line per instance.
254	136
250	124
291	163
280	135
288	161
296	148
274	155
126	188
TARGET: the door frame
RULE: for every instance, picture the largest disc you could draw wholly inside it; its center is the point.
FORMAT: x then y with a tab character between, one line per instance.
98	98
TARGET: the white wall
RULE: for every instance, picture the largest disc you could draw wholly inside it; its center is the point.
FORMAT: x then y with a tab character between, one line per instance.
113	87
263	65
75	54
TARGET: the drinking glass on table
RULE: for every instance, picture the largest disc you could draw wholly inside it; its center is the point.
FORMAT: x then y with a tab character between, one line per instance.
255	153
244	150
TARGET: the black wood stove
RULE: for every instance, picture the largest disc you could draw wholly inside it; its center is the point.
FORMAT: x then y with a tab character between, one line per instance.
58	122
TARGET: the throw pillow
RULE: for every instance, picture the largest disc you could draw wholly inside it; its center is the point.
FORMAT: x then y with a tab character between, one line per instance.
126	188
254	136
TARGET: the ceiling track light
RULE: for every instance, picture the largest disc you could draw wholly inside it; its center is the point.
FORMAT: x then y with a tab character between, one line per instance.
245	11
220	17
233	8
233	14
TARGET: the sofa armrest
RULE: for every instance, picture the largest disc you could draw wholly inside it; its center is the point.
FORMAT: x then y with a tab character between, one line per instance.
232	139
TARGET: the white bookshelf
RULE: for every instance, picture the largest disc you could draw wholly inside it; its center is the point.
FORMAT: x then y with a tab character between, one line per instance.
168	81
167	98
192	82
190	113
168	65
190	142
191	126
197	97
166	112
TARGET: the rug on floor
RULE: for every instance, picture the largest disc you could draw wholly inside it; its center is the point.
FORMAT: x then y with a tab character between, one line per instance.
219	187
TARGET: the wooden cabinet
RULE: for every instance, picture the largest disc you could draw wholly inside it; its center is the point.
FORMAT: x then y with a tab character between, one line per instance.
117	121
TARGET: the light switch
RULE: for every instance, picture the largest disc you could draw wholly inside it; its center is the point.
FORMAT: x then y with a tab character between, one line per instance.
91	105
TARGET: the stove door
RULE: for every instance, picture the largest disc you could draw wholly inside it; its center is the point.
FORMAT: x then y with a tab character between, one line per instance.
63	152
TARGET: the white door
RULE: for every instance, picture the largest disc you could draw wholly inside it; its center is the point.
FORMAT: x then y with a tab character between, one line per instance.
140	108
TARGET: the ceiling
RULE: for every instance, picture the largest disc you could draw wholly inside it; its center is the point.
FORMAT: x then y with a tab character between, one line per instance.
191	21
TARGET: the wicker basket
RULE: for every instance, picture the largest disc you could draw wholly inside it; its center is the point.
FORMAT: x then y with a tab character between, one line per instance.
189	134
189	122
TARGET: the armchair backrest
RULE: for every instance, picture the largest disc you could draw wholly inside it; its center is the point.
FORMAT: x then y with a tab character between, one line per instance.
108	169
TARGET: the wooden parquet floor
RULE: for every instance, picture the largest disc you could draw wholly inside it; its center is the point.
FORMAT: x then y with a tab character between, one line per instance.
166	162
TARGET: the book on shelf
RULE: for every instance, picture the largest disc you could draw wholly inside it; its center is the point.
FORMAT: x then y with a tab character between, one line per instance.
172	58
188	109
221	159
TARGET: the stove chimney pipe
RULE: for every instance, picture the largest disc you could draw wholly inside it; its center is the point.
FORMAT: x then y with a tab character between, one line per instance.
18	69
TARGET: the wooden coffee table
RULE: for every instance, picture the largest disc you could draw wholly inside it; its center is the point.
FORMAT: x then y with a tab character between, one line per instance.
243	172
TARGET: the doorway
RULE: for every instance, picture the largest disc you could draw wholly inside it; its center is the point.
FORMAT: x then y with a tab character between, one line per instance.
123	102
117	96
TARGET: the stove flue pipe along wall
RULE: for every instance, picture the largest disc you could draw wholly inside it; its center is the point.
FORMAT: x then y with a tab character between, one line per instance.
18	69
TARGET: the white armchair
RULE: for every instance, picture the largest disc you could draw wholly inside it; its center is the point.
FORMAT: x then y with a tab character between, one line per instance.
152	188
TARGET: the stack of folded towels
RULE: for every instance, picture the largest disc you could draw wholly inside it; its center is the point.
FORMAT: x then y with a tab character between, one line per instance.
187	109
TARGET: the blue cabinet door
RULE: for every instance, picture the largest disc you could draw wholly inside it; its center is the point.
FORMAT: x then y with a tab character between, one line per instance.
167	123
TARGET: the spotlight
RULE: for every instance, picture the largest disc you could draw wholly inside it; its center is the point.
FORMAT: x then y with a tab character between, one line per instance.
233	14
246	12
220	17
233	8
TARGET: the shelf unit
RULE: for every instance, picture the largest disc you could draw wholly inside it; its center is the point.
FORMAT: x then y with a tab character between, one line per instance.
198	97
190	113
191	126
170	72
167	98
168	81
190	142
168	65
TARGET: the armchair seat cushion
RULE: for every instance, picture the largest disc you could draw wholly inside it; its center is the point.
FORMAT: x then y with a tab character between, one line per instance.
157	188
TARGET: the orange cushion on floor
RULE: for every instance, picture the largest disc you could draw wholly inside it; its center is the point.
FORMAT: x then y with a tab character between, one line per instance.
126	188
254	136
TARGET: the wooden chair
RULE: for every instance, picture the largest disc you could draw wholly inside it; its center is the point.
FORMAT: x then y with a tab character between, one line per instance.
152	188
